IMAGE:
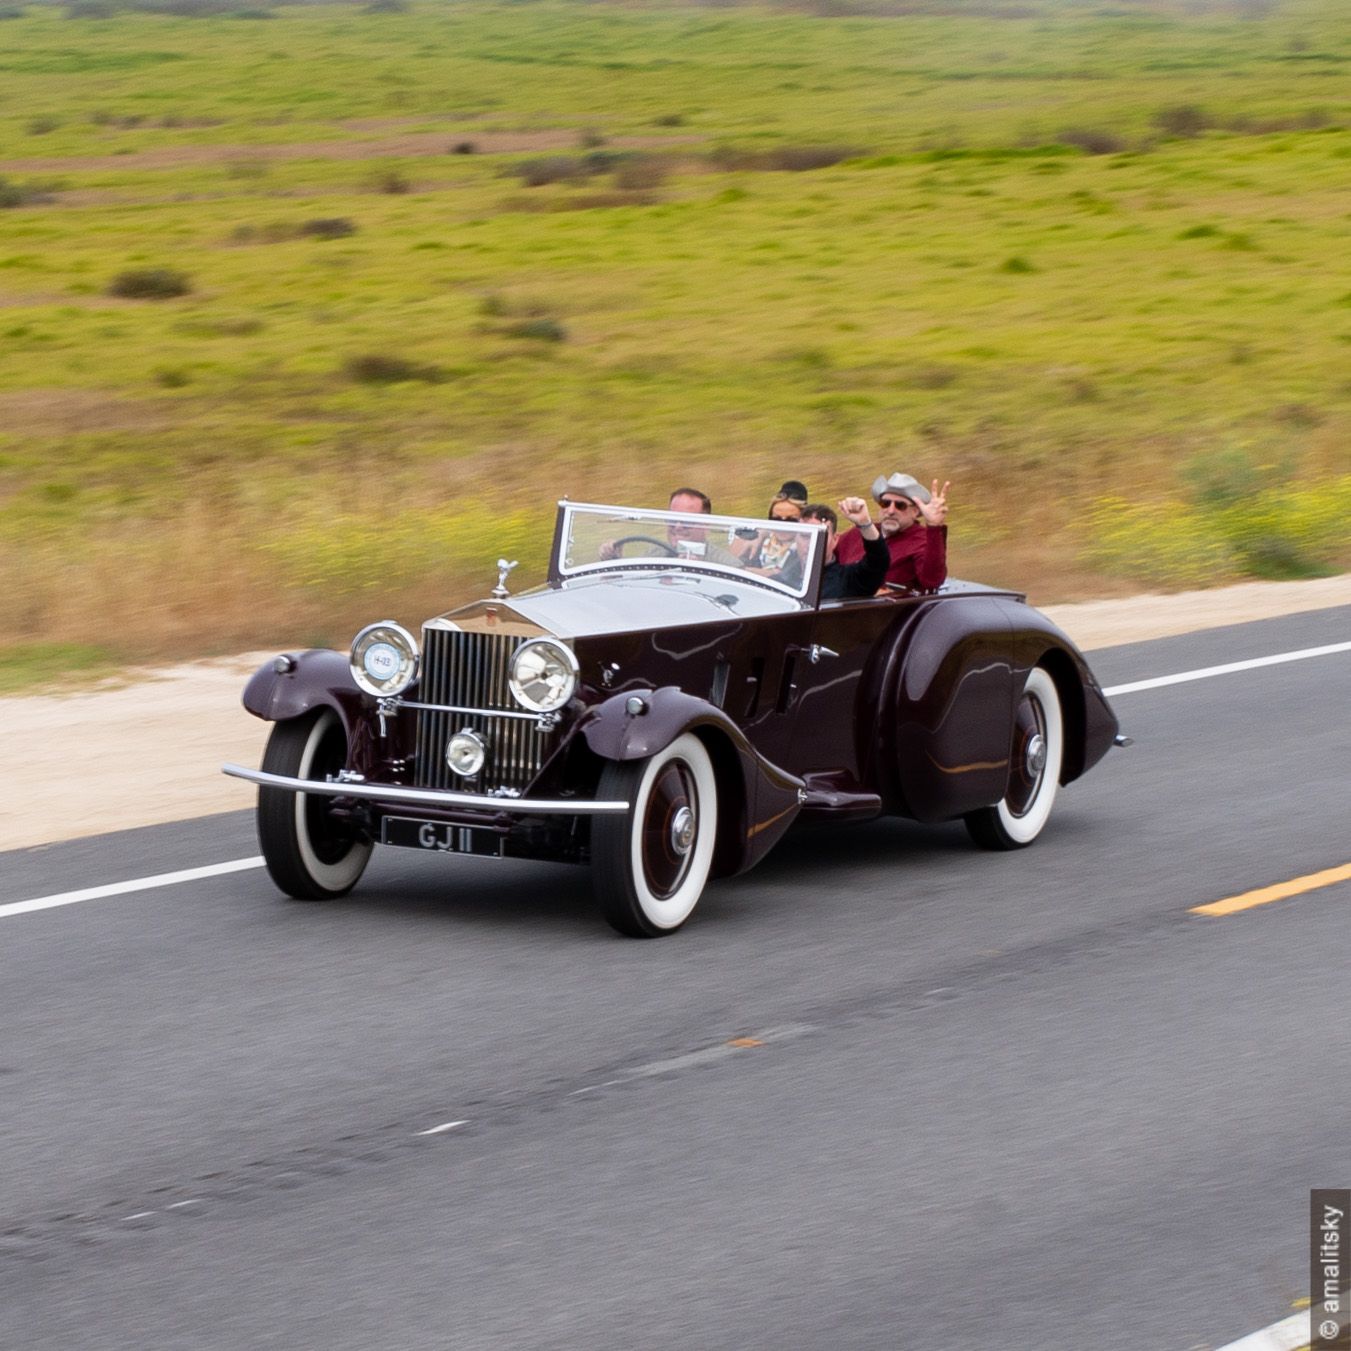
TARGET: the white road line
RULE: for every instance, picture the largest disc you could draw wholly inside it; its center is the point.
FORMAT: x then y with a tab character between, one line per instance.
1205	672
441	1130
244	864
1283	1336
237	865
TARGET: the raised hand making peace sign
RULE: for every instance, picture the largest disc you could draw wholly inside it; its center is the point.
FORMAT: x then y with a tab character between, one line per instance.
935	510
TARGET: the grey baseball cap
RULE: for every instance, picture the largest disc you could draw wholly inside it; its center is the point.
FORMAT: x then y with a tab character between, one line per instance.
903	485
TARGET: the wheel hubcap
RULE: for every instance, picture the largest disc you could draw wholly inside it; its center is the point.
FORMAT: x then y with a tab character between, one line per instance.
670	826
1036	754
682	831
1029	755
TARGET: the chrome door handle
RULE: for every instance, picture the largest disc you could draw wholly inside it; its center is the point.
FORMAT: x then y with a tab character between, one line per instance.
816	652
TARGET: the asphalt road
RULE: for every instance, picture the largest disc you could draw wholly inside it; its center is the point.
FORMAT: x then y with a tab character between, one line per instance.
998	1101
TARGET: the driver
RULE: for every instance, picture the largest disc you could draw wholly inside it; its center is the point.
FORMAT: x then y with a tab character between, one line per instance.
685	541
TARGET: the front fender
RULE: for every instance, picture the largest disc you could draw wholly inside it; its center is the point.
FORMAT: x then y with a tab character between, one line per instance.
763	800
320	678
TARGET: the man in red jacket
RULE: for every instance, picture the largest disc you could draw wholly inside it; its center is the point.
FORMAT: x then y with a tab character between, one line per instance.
914	525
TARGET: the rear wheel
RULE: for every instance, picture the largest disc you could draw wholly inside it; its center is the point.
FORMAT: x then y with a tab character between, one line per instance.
1034	771
649	866
309	853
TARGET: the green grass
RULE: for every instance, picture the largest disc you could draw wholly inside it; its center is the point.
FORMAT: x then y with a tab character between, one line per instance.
972	294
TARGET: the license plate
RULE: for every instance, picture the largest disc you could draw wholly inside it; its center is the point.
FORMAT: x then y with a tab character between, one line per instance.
441	836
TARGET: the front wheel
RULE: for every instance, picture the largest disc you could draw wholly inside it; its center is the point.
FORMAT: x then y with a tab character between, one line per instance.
1034	771
649	866
309	853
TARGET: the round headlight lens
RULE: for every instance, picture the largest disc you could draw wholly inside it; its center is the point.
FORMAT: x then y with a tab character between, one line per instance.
543	675
384	659
465	753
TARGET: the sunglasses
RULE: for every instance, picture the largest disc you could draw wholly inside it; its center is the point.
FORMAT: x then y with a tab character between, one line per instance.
900	503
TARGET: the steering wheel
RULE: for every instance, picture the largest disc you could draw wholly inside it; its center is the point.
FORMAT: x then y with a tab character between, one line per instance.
645	539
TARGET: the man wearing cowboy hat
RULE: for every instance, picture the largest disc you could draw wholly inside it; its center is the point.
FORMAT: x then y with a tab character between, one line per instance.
914	526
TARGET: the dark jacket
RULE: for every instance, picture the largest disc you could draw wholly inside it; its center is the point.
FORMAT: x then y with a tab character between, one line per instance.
841	580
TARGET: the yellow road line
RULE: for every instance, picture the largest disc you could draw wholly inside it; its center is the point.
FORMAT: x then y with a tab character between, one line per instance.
1328	877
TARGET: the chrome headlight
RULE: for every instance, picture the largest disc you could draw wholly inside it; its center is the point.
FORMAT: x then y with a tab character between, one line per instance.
384	659
543	675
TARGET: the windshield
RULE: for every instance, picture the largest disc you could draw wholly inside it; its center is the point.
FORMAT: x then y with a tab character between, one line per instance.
777	553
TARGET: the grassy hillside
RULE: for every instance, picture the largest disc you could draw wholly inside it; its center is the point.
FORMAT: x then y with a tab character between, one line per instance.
309	312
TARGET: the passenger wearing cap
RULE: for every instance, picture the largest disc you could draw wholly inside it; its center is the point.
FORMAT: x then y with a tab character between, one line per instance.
914	527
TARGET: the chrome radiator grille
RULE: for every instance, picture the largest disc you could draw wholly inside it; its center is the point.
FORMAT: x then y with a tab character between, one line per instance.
470	669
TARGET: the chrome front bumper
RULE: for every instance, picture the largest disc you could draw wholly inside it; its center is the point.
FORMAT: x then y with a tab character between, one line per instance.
428	797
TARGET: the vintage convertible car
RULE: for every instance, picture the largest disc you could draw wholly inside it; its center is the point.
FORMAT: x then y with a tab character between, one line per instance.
664	708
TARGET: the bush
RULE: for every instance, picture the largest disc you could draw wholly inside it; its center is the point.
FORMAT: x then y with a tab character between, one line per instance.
535	173
40	126
24	194
637	175
1182	119
1092	141
329	227
464	148
538	330
150	283
389	370
786	158
11	11
1017	264
393	182
669	120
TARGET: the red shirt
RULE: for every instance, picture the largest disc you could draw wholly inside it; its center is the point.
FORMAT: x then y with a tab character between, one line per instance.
919	555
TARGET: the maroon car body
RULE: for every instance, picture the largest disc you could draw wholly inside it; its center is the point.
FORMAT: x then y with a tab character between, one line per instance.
962	703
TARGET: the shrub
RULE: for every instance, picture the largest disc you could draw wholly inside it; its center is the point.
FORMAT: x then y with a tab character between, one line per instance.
150	283
535	173
40	126
11	11
1092	141
392	181
646	171
386	7
1198	232
329	227
1181	119
464	148
1017	264
786	158
538	330
590	138
669	120
377	369
24	194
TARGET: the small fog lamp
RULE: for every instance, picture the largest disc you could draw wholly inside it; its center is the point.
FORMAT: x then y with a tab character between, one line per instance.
465	753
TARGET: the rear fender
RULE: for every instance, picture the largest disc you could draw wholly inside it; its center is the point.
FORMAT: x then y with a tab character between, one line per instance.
952	700
1090	724
757	801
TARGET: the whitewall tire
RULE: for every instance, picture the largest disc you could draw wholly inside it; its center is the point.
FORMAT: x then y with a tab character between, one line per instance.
309	853
1034	770
649	866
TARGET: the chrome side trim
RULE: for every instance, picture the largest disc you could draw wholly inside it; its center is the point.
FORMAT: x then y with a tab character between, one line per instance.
428	797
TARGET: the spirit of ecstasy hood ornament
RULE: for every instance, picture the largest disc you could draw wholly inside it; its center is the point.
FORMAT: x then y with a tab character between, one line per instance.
500	591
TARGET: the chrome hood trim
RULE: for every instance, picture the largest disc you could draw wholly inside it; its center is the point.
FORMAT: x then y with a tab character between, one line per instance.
428	797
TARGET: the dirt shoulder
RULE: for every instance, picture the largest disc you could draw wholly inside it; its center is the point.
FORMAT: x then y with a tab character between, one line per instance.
150	750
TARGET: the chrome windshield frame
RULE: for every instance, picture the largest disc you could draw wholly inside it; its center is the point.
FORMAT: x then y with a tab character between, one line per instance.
807	594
